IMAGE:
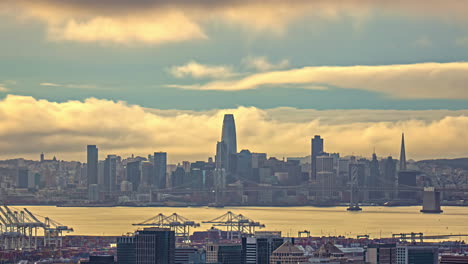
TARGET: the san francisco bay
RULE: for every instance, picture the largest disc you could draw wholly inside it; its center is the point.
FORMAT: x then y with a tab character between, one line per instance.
374	221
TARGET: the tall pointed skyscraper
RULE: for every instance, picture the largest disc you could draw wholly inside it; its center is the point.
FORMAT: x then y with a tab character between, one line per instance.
228	135
226	149
402	154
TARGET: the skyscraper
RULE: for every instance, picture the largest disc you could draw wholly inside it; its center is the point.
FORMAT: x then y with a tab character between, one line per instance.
150	245
92	164
134	174
402	154
228	135
317	150
374	176
110	173
160	168
226	151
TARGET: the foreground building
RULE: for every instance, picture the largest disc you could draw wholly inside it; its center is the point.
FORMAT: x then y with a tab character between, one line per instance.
288	253
409	254
150	245
224	253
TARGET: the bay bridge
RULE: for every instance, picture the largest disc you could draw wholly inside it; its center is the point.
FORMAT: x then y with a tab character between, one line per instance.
430	195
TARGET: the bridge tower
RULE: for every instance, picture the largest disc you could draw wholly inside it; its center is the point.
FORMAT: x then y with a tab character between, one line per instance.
431	201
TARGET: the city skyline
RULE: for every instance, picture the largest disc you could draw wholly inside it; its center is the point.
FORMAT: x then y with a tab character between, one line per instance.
229	147
396	151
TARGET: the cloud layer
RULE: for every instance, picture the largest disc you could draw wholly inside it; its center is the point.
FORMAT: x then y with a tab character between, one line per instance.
162	21
29	126
423	80
197	70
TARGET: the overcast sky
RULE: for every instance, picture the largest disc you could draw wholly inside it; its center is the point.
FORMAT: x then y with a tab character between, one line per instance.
157	75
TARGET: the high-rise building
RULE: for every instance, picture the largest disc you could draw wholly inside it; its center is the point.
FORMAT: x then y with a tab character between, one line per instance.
389	172
147	246
160	169
178	178
110	173
402	154
317	150
134	174
155	245
257	250
22	178
244	165
126	250
147	171
228	135
374	177
225	253
374	171
92	164
325	176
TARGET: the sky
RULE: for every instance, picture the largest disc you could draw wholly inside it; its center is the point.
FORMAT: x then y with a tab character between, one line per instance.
134	77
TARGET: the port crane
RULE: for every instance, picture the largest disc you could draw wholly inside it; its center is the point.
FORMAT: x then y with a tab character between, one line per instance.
177	223
19	230
235	224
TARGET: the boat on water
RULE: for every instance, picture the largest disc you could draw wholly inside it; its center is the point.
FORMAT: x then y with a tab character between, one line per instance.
354	208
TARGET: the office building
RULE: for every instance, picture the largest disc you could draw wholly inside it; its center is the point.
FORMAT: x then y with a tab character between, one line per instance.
324	164
178	178
110	173
410	254
407	179
92	164
381	254
224	254
228	135
244	165
22	178
147	171
188	255
388	167
134	174
374	177
316	150
226	150
257	250
147	246
160	170
126	250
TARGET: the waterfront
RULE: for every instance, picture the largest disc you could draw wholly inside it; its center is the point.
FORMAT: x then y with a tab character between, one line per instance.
374	221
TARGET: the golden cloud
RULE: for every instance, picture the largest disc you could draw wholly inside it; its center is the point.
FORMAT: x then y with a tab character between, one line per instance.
161	21
29	126
197	70
422	80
